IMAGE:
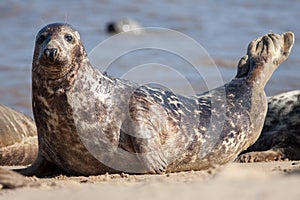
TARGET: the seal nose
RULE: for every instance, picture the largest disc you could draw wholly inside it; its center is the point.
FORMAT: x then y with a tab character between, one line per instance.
51	54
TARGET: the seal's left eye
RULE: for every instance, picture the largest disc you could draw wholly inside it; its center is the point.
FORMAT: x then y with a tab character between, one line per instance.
68	38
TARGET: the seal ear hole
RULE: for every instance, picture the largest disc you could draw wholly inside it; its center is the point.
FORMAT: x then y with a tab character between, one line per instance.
41	39
68	38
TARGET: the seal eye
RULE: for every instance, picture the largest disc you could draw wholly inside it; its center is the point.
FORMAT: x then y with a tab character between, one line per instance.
68	38
41	39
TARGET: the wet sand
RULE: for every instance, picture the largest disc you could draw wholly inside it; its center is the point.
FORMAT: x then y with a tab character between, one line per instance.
269	180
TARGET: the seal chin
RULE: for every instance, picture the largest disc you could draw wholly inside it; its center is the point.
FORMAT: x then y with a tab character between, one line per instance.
50	63
56	69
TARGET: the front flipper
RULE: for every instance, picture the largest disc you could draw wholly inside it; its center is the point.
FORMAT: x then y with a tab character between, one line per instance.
11	179
140	142
41	168
150	155
144	130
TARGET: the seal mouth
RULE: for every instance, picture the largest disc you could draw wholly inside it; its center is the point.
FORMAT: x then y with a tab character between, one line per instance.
56	70
50	56
53	61
54	67
52	64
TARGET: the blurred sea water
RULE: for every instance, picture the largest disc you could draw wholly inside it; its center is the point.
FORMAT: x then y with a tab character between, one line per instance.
222	28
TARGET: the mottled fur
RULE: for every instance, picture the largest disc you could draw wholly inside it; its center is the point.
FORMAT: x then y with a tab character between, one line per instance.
18	138
89	123
280	137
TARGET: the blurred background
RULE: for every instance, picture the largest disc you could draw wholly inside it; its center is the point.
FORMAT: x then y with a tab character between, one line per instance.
223	28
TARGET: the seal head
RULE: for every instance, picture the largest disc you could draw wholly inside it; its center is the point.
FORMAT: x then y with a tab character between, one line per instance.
58	47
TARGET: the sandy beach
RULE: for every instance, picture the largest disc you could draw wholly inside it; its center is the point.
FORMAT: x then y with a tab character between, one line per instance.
267	180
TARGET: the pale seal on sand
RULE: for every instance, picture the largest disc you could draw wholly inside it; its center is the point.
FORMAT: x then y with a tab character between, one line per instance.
280	137
18	138
84	117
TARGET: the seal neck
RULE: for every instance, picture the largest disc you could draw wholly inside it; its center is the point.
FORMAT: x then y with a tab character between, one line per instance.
54	81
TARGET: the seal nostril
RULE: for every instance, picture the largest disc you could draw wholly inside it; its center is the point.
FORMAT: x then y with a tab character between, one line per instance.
54	51
51	53
47	52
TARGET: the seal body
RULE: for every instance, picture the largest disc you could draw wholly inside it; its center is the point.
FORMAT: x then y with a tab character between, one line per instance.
123	25
18	138
280	137
90	123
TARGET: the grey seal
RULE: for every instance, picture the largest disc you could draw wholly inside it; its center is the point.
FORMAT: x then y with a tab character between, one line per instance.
85	118
280	137
123	25
18	138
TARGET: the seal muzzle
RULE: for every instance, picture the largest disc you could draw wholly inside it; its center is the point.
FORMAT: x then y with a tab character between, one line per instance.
51	54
